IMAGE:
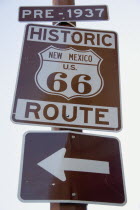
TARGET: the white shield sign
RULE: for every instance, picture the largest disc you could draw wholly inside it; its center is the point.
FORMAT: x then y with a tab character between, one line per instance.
69	72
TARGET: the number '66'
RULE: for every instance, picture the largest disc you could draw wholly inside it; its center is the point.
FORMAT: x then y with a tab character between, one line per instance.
59	85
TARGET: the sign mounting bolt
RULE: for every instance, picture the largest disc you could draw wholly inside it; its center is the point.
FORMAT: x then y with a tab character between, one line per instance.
73	194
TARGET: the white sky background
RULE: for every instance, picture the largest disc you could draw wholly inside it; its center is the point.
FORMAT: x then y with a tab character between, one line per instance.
125	20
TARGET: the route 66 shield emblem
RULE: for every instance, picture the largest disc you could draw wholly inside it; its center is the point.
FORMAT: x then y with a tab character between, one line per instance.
77	72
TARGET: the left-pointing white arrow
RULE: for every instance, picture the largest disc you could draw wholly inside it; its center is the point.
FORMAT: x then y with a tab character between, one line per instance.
56	164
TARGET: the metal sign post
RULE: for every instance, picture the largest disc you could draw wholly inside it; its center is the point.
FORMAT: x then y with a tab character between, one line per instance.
66	206
69	73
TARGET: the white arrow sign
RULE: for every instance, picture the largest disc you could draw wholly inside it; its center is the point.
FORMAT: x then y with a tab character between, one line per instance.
56	164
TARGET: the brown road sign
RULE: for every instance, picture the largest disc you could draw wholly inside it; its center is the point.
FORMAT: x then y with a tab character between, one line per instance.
71	167
68	78
63	13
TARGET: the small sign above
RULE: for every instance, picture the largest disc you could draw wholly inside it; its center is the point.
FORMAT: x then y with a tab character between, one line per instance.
71	167
63	13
